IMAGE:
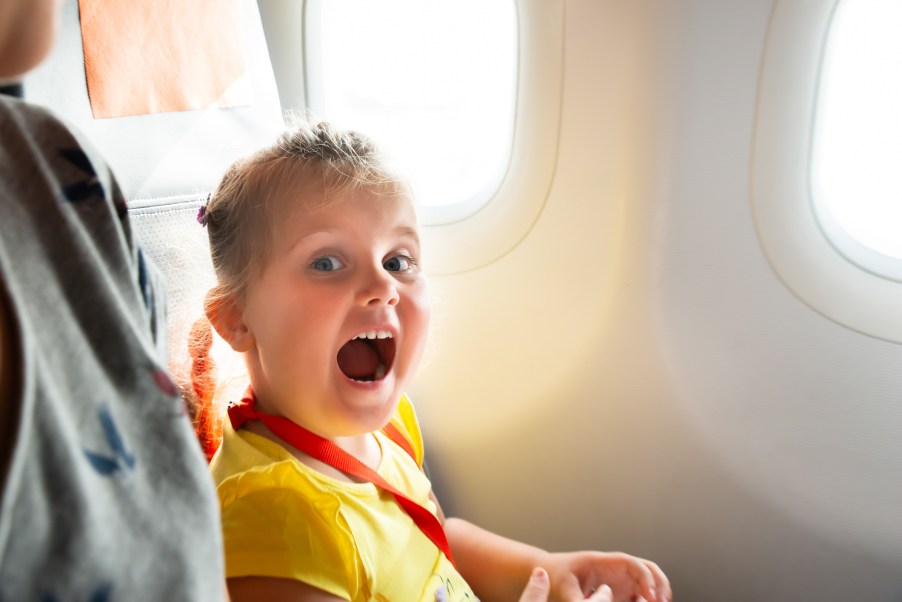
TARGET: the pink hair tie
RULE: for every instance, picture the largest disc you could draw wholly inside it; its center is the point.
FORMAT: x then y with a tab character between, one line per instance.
202	213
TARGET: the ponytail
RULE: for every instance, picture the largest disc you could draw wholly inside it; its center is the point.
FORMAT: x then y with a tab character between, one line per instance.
207	422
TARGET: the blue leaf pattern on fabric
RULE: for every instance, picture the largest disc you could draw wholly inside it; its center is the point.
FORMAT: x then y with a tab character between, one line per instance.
112	436
87	189
102	464
121	458
101	594
120	205
79	159
144	281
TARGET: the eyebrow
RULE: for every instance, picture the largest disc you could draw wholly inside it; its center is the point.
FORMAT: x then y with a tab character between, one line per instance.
408	231
402	231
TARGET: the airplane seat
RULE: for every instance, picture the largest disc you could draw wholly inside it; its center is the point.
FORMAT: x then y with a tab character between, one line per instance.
166	161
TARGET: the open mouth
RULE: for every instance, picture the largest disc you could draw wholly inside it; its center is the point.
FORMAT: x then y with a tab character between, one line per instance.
367	357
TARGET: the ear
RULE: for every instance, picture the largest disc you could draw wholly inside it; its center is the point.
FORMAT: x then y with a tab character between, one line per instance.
226	316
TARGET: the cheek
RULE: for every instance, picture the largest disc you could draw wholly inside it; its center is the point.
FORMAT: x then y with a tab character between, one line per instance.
272	313
419	309
425	309
304	324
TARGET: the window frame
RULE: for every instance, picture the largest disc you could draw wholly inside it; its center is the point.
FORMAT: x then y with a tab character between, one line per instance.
851	248
795	239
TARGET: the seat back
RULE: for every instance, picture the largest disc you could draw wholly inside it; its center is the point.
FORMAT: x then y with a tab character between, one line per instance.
166	163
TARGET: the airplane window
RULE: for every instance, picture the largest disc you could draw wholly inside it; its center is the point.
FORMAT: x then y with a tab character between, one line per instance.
434	82
857	141
827	138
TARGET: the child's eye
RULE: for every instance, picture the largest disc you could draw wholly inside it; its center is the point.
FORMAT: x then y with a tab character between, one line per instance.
327	264
399	263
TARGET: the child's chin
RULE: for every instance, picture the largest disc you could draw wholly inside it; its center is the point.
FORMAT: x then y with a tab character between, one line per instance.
376	412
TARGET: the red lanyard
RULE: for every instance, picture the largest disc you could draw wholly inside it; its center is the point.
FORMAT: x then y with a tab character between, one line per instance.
325	451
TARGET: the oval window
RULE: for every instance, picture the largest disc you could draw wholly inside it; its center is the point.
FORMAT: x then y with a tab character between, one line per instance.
434	82
856	162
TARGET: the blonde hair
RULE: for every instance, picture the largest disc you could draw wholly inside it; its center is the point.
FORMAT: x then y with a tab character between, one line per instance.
315	159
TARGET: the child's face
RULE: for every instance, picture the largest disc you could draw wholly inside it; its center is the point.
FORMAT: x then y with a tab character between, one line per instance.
348	268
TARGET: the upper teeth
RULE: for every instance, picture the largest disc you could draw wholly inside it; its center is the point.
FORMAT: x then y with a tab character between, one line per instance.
374	334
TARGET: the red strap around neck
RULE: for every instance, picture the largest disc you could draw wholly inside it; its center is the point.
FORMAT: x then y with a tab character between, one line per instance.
326	451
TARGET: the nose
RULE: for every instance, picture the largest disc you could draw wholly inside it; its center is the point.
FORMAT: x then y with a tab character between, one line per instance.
378	287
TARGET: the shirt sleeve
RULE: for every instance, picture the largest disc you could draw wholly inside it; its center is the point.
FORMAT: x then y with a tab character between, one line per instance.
277	532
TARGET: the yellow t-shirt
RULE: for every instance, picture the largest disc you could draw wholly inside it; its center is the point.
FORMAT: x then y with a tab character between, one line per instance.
281	518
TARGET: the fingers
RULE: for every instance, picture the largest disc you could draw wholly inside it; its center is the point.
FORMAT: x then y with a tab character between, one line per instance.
570	592
537	588
603	594
652	582
662	584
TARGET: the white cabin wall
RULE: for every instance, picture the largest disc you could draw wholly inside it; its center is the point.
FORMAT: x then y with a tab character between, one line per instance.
797	403
551	346
507	337
797	412
633	375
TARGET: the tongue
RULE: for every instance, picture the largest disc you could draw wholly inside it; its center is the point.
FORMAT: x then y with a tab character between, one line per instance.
357	359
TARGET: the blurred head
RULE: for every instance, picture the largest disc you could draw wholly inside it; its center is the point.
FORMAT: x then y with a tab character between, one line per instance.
27	31
316	252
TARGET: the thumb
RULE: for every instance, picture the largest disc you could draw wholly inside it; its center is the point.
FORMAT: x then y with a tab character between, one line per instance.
538	587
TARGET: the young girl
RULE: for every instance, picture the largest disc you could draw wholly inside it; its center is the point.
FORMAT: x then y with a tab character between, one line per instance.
317	255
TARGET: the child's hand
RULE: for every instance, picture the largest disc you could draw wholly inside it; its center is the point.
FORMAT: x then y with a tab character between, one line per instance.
574	575
538	588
